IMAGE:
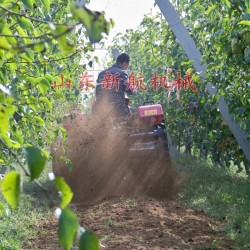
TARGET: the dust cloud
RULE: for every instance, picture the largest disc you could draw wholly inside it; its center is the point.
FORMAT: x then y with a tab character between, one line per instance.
104	167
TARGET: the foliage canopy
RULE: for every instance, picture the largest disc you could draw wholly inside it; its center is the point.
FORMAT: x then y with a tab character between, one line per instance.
221	30
41	45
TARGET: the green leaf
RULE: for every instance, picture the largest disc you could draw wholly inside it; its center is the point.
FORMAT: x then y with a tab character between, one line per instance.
88	241
4	120
2	209
39	47
10	107
244	22
25	23
33	107
83	15
210	9
46	101
35	160
5	113
228	3
13	66
4	43
98	26
25	57
64	188
11	188
19	136
68	163
64	133
112	23
2	96
46	4
43	85
58	95
39	120
28	4
67	228
50	78
94	22
7	31
64	42
45	153
32	80
21	31
30	54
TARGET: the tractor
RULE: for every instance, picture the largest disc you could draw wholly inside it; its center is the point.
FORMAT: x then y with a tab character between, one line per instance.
129	157
149	132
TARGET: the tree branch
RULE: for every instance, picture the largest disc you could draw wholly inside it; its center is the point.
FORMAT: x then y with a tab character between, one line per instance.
31	18
48	60
17	158
30	45
38	183
22	37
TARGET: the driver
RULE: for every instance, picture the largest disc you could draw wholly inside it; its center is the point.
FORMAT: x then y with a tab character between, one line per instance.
112	84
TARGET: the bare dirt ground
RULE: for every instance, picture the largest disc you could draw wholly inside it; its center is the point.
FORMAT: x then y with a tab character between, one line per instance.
128	200
140	224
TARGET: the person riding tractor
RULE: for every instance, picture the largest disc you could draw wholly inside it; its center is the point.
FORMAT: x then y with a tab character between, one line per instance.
111	88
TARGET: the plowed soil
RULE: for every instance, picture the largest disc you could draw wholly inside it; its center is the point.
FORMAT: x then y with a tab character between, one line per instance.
140	224
128	199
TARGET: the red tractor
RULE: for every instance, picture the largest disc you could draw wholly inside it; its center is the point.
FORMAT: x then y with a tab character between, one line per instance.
148	130
109	158
145	129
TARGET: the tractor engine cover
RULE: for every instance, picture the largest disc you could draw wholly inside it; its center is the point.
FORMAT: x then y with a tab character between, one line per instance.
150	111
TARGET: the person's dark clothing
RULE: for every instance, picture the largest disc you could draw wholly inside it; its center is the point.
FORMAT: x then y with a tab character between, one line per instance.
115	96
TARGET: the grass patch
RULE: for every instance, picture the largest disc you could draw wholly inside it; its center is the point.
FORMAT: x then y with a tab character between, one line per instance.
219	192
21	225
